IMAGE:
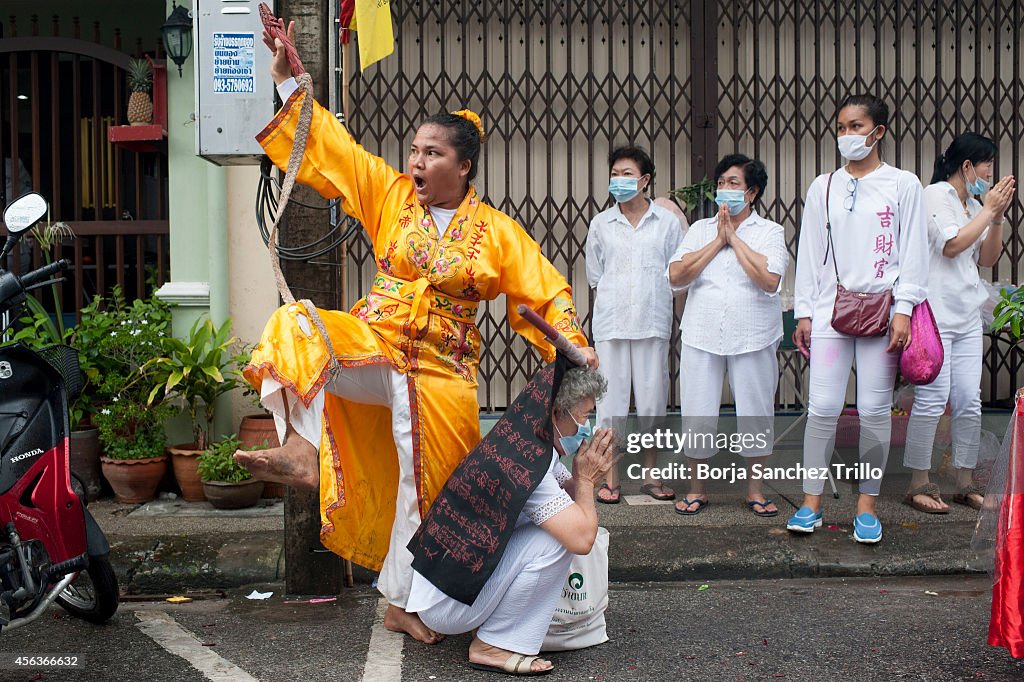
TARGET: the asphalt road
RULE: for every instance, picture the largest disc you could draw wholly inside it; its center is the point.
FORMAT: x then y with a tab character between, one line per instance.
862	629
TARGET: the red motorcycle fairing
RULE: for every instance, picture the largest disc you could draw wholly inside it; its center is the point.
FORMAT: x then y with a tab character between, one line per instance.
43	506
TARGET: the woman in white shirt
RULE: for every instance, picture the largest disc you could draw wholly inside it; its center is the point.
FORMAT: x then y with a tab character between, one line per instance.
628	249
732	266
877	243
512	612
962	234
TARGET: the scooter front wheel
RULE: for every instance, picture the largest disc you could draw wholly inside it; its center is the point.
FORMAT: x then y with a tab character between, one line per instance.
93	596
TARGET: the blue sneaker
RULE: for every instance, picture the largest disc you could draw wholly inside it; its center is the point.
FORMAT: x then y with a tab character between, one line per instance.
867	529
804	521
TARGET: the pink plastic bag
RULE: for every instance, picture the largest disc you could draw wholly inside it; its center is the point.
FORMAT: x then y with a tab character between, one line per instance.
921	361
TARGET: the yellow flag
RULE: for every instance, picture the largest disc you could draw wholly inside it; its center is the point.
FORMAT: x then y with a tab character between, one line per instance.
372	22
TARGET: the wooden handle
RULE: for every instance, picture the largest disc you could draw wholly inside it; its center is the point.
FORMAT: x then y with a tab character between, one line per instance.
561	343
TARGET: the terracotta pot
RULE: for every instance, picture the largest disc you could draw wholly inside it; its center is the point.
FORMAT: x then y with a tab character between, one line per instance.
134	480
185	459
255	430
84	457
233	495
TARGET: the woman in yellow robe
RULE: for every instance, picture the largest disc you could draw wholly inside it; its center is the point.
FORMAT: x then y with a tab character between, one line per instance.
416	326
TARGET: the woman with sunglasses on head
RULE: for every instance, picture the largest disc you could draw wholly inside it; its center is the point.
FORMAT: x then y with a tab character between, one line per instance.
861	268
963	233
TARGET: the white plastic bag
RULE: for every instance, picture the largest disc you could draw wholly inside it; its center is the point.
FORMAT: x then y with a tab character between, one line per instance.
578	621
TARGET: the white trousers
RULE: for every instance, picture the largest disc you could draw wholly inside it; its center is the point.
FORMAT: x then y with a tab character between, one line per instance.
514	609
640	364
831	361
753	378
959	383
373	385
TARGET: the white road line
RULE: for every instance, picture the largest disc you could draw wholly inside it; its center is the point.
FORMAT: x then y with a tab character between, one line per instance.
163	630
384	657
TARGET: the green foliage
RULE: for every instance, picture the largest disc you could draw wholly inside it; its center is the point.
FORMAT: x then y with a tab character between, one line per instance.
117	342
140	75
195	371
1009	312
696	195
218	464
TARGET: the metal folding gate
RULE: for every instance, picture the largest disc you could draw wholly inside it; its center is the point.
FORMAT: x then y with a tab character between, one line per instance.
560	83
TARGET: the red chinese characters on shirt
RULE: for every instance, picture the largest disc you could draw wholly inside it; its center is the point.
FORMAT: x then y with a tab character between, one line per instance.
884	241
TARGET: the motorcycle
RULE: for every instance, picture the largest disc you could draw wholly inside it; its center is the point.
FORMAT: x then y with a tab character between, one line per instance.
51	548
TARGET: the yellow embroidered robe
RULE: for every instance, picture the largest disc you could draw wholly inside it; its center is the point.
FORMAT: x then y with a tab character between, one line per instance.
419	318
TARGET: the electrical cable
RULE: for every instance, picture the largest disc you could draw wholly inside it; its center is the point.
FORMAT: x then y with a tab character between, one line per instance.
267	193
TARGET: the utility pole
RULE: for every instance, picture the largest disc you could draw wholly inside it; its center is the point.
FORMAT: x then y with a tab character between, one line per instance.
310	568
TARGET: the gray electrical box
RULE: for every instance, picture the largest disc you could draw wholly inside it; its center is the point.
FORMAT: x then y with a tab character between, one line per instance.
234	90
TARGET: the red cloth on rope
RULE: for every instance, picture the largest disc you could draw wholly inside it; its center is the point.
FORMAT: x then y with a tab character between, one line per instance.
1006	627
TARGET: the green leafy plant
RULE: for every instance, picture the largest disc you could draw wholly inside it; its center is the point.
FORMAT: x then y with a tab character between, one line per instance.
118	341
195	371
1009	311
696	196
218	463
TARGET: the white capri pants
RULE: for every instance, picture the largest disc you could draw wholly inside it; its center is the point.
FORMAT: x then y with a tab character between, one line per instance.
372	385
753	378
640	364
959	383
514	609
831	361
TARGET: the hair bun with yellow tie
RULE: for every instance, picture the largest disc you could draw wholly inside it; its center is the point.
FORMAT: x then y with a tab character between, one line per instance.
472	118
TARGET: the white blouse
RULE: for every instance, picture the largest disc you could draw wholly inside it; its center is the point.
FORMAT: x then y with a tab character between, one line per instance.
882	243
955	292
726	312
546	500
627	266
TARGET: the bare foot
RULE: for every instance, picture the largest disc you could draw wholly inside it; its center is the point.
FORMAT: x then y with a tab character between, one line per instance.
930	502
400	620
295	464
485	654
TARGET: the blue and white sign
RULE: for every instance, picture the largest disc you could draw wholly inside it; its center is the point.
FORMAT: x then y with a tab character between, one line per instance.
233	58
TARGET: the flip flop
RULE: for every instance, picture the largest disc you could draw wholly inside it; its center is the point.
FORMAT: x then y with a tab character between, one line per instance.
929	489
963	496
522	667
614	491
649	488
701	503
764	508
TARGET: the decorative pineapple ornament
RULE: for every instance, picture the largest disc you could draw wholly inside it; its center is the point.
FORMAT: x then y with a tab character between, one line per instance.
140	82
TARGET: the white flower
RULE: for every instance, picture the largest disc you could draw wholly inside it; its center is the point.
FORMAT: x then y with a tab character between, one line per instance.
115	398
105	410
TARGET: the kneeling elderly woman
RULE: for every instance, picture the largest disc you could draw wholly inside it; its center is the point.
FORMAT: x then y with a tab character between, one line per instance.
512	612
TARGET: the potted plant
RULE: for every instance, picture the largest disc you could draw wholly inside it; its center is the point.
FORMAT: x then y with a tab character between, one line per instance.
131	429
140	82
258	430
227	484
41	329
194	371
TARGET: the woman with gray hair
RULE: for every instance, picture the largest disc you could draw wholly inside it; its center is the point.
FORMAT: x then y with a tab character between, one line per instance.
512	612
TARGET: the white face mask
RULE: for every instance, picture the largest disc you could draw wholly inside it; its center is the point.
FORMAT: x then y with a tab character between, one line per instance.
854	147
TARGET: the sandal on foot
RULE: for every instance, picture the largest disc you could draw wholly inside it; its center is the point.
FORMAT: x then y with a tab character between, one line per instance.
700	502
649	488
764	508
613	491
517	664
963	496
930	490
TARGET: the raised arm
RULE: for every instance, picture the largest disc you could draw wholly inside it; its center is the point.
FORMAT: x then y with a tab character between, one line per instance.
334	165
529	278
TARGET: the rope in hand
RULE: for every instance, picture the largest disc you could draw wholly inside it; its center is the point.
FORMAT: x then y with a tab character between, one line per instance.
305	83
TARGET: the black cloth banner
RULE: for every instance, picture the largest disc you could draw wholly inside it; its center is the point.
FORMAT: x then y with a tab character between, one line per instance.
464	534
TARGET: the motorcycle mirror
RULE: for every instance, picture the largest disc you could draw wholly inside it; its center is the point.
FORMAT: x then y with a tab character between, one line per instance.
20	215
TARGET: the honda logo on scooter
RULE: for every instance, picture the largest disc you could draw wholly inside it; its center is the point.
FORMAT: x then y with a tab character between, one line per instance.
5	370
26	455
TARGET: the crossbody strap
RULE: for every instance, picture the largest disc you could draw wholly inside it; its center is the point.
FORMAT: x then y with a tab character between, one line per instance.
828	228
